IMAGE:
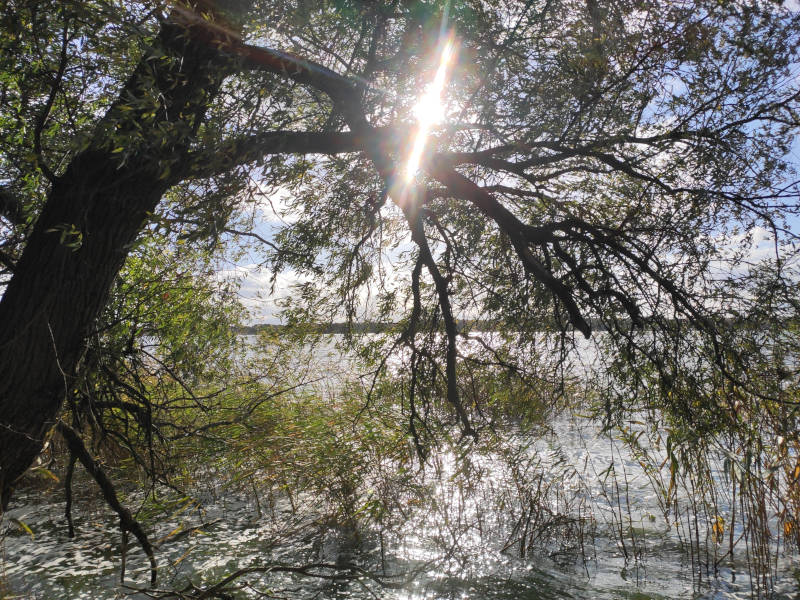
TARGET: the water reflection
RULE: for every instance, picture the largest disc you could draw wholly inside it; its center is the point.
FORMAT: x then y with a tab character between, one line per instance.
567	513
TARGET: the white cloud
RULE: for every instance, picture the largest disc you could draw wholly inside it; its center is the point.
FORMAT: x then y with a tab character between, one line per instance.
255	290
273	204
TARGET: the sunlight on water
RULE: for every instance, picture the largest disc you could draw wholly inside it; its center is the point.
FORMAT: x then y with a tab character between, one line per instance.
536	517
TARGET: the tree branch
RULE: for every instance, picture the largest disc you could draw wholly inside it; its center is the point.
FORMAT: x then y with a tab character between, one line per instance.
41	121
521	236
10	207
246	149
414	219
126	520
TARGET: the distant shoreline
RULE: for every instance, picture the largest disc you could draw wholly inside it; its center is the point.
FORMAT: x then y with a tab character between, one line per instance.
377	327
483	326
321	328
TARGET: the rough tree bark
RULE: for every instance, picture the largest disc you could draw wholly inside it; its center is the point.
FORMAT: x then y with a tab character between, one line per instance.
93	212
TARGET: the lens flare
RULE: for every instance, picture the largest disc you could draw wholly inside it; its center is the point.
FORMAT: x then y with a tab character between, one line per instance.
429	110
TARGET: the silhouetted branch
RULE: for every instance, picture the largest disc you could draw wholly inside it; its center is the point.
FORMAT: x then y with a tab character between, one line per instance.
126	520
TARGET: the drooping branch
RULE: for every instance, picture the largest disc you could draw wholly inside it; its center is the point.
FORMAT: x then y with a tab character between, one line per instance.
594	294
414	219
409	337
521	236
68	494
606	156
126	520
44	113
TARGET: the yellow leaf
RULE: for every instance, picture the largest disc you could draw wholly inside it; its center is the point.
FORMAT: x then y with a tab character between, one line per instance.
718	529
46	472
184	555
24	526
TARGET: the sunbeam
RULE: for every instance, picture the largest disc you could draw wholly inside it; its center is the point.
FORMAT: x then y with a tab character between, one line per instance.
429	110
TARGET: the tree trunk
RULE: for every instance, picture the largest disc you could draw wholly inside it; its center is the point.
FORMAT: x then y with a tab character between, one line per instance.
93	213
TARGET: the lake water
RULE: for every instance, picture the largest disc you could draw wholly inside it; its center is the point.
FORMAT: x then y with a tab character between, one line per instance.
455	547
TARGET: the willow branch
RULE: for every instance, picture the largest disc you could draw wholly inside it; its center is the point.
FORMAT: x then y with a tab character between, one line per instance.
126	520
414	219
247	149
521	236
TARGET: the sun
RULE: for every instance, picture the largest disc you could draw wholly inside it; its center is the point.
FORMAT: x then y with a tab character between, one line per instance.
429	109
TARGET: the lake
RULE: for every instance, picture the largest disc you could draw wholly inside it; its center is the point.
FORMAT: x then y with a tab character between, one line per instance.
587	535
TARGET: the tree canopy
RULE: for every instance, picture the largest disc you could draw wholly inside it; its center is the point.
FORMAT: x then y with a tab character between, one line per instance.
579	166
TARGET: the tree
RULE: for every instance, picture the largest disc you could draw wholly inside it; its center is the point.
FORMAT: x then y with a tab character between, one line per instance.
600	164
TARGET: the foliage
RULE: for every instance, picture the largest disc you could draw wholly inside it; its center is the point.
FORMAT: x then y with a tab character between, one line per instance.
611	169
165	344
596	162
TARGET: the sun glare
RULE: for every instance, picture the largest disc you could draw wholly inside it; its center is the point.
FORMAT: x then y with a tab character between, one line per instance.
429	110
